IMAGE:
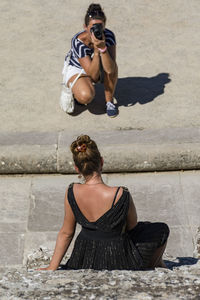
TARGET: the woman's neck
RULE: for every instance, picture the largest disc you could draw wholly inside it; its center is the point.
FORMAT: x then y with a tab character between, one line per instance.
94	179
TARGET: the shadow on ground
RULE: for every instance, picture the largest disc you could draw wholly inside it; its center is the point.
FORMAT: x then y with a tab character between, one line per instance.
132	90
129	91
181	261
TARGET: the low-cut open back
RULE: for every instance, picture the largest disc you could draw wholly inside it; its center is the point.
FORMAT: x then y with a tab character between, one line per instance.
103	244
81	213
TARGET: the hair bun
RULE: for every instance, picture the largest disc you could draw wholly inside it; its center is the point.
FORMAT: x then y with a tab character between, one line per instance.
86	155
94	7
94	11
82	148
81	144
83	139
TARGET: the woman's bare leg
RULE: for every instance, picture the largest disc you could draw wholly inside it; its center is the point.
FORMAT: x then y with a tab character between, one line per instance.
83	89
110	81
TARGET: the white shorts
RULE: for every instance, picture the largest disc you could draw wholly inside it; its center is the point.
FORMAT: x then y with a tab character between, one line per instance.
69	71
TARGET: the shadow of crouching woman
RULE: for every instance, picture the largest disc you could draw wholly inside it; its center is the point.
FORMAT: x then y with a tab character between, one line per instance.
129	91
132	90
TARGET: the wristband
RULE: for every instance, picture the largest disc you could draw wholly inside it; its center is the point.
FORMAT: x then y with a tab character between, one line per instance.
102	50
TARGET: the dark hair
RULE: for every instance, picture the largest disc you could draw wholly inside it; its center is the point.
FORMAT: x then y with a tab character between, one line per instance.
86	155
94	11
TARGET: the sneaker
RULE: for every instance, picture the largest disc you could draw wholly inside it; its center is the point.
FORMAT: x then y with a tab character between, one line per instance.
111	109
67	100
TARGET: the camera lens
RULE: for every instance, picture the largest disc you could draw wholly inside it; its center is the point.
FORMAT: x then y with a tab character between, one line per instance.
97	29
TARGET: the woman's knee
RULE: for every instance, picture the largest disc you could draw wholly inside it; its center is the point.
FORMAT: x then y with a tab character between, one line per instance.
164	231
85	96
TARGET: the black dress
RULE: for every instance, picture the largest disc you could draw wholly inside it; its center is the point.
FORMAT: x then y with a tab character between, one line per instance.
104	244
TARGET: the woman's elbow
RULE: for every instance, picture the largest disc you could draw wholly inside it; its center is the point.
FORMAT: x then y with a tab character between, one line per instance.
66	235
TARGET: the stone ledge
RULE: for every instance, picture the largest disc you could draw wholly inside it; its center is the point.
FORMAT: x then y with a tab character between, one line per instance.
123	151
180	283
28	159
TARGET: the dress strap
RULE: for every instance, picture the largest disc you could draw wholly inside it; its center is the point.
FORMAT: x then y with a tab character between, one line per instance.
115	196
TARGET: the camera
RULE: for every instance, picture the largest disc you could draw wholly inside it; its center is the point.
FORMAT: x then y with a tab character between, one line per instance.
97	29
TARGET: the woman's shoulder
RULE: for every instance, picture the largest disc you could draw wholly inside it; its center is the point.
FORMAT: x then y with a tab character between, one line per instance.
78	184
70	186
69	189
116	187
78	38
121	191
110	37
108	31
125	193
76	41
70	193
124	188
78	46
77	35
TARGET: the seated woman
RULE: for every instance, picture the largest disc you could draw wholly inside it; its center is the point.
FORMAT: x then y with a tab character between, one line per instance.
111	237
93	54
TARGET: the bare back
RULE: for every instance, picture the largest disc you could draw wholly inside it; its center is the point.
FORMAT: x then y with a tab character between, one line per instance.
95	200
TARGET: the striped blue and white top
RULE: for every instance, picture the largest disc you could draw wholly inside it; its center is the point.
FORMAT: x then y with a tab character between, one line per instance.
79	49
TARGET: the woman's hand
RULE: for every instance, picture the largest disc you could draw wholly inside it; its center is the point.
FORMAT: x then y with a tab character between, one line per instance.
98	43
46	269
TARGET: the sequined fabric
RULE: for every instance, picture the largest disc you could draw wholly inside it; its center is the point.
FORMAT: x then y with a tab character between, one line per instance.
103	244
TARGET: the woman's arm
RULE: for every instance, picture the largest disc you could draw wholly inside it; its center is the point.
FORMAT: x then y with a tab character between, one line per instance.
64	237
108	59
91	67
132	215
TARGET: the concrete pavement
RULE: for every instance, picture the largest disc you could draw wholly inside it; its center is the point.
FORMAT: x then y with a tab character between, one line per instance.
157	91
157	54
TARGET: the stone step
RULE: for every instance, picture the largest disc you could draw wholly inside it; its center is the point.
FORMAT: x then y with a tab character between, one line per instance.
123	150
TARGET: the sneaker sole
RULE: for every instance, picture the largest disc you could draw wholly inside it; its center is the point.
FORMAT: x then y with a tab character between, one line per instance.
113	116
